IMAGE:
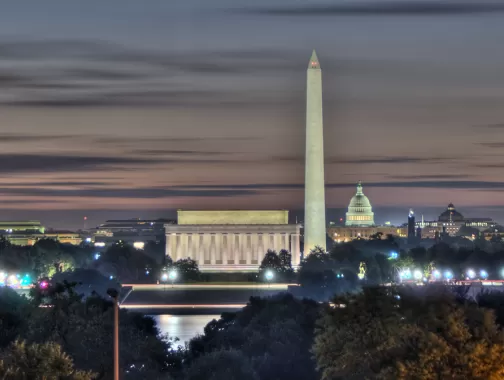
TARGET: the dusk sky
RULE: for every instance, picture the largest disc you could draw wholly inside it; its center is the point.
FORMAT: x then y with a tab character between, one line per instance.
134	108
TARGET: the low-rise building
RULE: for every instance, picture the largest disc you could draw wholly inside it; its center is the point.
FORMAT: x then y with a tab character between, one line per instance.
136	232
342	234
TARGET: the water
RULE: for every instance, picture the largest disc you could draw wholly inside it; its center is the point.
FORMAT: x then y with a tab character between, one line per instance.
183	327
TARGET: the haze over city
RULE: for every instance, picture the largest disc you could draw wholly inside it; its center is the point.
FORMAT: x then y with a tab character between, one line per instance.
118	110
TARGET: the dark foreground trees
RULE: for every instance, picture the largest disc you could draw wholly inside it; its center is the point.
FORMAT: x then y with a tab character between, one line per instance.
46	361
408	333
274	335
224	364
83	329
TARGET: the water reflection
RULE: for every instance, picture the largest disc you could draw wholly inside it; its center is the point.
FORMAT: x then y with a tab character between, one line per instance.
183	327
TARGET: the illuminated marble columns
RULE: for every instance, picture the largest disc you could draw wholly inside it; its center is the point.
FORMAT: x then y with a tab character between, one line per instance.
230	248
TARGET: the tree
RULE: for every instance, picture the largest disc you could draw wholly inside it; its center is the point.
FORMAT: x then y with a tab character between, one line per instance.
316	271
49	258
46	361
127	264
402	264
275	334
87	282
84	329
408	333
187	269
224	364
12	308
280	264
156	250
376	236
285	261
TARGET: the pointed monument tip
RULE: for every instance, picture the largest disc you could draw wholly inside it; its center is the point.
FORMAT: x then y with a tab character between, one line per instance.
314	62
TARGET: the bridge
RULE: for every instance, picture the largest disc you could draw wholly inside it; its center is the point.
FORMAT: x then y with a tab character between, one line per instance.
194	298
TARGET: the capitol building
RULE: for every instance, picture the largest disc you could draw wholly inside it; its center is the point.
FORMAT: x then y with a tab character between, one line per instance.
360	213
359	221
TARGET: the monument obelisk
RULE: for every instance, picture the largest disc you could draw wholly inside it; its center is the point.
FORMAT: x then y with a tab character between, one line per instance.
314	219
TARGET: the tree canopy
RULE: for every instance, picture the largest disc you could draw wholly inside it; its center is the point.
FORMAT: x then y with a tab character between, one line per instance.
408	333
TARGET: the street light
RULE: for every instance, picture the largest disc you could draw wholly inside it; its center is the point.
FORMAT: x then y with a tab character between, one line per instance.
448	275
172	276
417	274
471	273
115	294
436	274
269	276
483	274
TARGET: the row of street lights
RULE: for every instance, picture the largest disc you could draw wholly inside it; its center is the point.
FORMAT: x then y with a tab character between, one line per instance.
417	274
171	275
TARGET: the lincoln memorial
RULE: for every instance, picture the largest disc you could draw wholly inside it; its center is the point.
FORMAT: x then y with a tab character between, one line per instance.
231	241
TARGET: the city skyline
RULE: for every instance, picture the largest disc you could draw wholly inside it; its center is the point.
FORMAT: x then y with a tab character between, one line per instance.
194	105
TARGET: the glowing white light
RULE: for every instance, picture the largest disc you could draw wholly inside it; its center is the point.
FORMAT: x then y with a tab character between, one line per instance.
417	274
405	273
99	244
139	245
471	273
88	240
12	280
164	277
483	274
269	275
448	275
172	275
436	274
96	256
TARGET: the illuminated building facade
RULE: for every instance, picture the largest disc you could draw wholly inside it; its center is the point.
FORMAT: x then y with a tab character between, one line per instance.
231	241
360	212
450	221
346	234
30	231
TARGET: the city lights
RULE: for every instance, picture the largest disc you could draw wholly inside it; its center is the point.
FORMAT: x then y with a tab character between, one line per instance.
96	256
172	275
405	274
393	255
26	280
164	277
13	280
436	274
448	275
483	274
471	274
269	275
417	274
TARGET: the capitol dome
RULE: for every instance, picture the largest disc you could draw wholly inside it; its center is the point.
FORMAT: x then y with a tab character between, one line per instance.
360	212
451	215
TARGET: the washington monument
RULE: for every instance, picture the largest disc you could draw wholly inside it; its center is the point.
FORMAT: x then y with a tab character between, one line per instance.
314	219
